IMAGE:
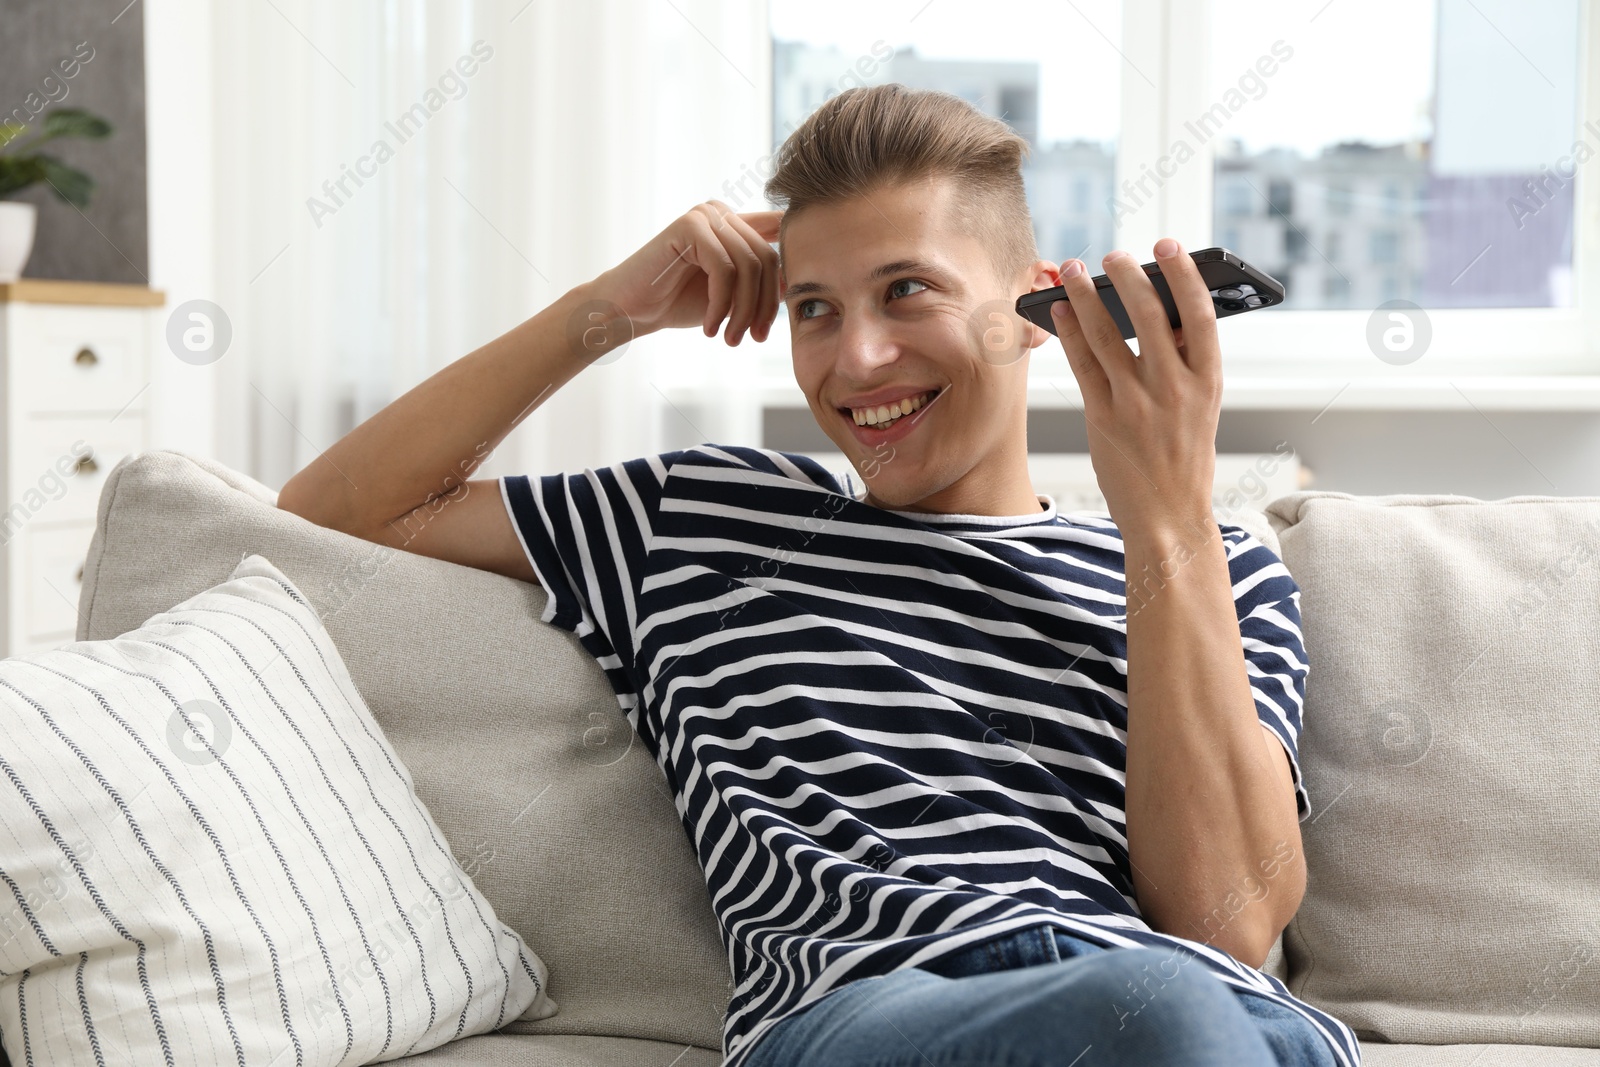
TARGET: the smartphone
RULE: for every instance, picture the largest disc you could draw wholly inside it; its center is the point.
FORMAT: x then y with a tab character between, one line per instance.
1235	285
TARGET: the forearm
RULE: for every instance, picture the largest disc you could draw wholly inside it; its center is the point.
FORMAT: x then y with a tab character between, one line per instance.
428	441
1204	796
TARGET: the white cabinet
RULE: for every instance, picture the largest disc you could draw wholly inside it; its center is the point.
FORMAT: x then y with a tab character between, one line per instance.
75	365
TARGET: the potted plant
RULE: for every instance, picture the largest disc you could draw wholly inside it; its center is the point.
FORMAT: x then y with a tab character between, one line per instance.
21	165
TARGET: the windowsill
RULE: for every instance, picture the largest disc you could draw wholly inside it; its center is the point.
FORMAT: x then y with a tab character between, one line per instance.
1464	392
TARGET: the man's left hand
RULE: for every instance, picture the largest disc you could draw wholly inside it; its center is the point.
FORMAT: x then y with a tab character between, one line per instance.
1152	418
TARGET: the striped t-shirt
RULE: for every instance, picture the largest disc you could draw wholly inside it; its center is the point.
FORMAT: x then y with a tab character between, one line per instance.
891	735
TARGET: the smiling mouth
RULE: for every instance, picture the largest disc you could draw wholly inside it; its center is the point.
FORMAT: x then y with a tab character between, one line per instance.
884	416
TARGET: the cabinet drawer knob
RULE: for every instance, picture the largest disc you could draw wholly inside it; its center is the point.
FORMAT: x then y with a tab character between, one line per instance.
86	357
87	465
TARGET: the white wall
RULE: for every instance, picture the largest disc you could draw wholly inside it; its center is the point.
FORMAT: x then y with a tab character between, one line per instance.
179	117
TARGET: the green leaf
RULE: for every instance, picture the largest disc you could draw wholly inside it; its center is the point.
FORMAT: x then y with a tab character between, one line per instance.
74	122
70	184
18	174
10	131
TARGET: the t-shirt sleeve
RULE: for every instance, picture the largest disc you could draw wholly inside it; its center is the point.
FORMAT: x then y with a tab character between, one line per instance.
1267	600
586	535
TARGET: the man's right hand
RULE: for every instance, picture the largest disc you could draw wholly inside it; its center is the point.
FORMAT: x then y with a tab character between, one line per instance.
709	264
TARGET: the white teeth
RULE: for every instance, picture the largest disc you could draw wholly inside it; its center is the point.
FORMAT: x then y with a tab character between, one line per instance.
886	413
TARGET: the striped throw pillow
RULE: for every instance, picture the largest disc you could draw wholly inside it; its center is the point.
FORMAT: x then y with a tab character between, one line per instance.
210	854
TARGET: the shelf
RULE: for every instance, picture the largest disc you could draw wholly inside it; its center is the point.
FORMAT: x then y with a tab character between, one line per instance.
62	291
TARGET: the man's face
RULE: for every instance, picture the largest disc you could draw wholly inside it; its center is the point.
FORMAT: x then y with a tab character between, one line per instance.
888	299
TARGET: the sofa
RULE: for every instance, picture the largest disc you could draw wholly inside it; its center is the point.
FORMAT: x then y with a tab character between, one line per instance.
1451	725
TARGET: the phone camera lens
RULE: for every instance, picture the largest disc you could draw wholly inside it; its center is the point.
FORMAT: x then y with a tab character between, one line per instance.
1229	293
1231	305
1254	300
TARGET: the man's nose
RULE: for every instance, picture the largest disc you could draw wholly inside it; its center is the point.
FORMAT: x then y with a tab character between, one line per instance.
866	343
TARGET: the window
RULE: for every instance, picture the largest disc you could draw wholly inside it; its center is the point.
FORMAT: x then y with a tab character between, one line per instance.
1074	238
1383	246
1391	199
1294	245
1338	198
1436	157
1237	199
1280	198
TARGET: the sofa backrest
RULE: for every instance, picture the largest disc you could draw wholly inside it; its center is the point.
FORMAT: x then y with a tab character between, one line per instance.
1451	722
507	725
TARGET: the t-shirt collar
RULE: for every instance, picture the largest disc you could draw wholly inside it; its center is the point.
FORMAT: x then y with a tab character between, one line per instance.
1044	516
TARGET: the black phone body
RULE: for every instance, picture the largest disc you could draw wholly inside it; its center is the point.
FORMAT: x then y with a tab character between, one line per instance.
1236	287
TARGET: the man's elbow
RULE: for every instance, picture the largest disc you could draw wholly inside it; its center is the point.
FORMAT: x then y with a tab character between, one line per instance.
1247	934
1248	943
317	502
1274	922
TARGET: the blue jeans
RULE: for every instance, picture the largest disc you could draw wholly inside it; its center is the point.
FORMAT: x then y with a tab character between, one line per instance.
1042	998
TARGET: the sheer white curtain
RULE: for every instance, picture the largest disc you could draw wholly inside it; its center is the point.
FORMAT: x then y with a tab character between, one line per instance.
581	131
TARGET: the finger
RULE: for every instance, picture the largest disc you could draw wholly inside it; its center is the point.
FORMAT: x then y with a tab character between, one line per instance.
745	291
1201	352
711	256
1145	310
1099	329
766	307
1092	382
766	223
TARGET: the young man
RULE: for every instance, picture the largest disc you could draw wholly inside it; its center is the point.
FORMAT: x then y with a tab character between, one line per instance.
969	781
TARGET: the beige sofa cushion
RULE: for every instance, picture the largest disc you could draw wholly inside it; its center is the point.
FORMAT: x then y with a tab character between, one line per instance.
1451	720
507	725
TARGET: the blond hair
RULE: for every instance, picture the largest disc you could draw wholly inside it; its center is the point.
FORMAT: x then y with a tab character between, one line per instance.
868	137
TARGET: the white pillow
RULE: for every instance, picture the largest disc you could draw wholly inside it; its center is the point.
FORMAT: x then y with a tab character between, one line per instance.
210	854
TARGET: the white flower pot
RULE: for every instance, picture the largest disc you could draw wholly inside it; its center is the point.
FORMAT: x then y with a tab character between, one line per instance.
16	237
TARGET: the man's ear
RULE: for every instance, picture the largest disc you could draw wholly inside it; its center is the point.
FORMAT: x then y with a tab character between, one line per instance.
1045	275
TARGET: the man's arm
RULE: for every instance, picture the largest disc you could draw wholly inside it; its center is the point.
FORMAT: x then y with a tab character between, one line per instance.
403	476
1213	828
1210	819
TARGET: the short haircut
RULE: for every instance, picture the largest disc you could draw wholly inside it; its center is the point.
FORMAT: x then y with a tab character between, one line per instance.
868	137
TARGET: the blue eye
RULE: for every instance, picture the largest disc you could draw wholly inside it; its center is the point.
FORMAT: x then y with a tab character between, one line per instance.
902	281
801	310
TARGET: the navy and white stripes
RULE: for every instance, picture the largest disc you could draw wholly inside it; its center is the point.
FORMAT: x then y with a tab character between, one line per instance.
889	735
211	855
